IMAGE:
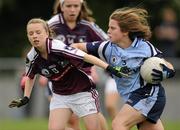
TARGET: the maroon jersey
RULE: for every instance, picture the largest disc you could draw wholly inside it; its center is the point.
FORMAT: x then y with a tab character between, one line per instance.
62	68
84	31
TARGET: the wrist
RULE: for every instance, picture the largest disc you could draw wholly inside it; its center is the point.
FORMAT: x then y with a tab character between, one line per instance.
25	100
171	73
109	68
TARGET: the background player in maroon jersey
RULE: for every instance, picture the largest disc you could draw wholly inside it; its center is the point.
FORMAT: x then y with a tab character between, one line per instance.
72	22
73	90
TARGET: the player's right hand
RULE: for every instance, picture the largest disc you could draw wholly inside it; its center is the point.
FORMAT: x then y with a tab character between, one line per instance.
19	102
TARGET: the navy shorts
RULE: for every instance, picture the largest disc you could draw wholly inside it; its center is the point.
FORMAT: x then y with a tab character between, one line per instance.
149	100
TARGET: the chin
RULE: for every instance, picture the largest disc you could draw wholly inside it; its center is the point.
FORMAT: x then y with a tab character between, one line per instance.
36	46
112	40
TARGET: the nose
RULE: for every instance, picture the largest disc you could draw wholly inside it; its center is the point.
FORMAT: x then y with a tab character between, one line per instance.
72	8
34	36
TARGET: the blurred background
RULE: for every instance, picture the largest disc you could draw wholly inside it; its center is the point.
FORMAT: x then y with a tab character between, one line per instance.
14	15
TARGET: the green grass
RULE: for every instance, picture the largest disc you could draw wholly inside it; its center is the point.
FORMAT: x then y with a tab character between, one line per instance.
42	124
24	124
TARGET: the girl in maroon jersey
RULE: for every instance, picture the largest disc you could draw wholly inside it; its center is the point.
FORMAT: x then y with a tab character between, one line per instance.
73	90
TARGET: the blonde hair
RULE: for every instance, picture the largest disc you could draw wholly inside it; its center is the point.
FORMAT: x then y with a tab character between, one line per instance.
85	12
44	23
134	21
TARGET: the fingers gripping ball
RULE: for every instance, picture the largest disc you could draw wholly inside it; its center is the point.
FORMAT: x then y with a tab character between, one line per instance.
146	69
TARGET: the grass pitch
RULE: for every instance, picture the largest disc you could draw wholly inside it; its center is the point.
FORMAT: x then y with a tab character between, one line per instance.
42	124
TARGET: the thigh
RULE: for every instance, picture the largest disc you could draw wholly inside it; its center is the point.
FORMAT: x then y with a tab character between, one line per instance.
146	125
74	122
92	122
128	117
102	121
58	118
111	99
112	102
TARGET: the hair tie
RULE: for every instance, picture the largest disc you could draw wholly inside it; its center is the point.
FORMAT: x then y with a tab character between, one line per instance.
62	1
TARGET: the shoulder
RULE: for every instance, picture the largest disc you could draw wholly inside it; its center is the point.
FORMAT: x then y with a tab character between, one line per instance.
31	57
98	46
93	27
148	48
57	45
85	22
32	54
54	20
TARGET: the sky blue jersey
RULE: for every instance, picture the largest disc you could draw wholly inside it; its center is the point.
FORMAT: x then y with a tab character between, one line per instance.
132	57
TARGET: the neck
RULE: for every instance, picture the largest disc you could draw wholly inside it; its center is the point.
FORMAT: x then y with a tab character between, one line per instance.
124	43
44	55
43	52
71	24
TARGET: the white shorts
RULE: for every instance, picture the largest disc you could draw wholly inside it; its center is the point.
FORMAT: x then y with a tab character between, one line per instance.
110	86
81	104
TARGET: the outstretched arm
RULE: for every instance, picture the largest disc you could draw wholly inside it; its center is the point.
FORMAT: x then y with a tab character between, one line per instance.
117	70
96	61
81	46
27	92
28	87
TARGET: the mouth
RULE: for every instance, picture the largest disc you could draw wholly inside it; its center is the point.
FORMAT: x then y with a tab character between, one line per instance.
36	42
72	15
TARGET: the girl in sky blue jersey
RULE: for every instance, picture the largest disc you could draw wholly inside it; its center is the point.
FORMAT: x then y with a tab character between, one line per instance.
128	46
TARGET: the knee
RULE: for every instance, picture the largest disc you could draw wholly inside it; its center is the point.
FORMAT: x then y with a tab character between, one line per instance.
56	128
93	127
111	111
119	125
110	108
115	124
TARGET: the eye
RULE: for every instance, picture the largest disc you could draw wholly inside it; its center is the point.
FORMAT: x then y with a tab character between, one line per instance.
68	6
38	32
76	6
30	33
113	28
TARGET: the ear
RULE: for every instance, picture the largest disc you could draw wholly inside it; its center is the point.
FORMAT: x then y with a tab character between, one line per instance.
126	33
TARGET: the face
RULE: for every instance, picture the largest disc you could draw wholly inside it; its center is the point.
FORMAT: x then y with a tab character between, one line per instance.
114	32
71	9
37	34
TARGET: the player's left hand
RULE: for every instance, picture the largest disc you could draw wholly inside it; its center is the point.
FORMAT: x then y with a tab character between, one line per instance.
164	74
119	71
19	102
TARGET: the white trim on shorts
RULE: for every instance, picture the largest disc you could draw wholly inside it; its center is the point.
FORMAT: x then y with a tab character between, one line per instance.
82	104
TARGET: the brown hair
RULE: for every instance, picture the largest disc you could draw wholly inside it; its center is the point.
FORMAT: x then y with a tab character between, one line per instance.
44	23
85	12
134	21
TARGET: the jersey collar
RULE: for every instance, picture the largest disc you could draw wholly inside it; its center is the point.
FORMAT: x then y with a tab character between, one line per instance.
61	18
135	42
